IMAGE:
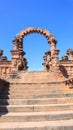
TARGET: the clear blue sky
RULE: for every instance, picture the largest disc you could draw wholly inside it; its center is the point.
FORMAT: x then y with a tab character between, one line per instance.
54	15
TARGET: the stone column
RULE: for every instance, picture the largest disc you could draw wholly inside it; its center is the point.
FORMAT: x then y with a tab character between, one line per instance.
55	61
47	59
15	42
18	62
18	42
54	53
52	43
18	48
15	53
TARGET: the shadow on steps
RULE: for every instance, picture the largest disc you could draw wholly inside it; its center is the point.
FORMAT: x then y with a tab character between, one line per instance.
4	92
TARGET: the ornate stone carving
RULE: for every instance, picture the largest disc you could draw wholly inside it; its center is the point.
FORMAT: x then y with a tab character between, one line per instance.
22	64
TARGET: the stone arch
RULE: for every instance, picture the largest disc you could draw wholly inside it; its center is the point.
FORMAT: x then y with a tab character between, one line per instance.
29	30
18	53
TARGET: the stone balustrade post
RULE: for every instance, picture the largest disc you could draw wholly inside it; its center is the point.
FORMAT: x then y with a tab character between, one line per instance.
70	54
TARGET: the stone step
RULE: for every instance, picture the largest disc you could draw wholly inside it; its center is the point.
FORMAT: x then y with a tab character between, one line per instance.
32	91
36	108
34	77
39	101
38	86
35	96
46	125
21	90
36	116
35	89
33	86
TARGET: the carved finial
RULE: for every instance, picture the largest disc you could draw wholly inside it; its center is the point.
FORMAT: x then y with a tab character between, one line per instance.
70	54
69	51
64	58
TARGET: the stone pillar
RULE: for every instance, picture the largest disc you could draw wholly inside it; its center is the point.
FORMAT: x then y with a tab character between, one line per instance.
18	62
54	53
15	42
70	54
52	43
18	42
18	48
15	53
55	61
47	59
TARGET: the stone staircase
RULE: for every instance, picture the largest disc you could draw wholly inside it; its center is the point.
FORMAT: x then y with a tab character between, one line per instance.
28	102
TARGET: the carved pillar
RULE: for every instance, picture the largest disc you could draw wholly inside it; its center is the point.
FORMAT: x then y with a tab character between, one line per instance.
18	42
52	43
18	62
15	54
22	62
55	61
70	54
47	59
54	53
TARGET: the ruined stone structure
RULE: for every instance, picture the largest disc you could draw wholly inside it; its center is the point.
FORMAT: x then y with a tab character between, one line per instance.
51	58
36	100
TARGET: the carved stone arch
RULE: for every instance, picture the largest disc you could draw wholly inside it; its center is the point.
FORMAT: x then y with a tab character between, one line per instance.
29	30
50	38
18	53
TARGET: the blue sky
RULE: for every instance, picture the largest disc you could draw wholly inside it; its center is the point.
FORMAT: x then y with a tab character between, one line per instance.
54	15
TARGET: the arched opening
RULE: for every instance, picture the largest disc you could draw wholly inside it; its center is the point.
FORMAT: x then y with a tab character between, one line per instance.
35	45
